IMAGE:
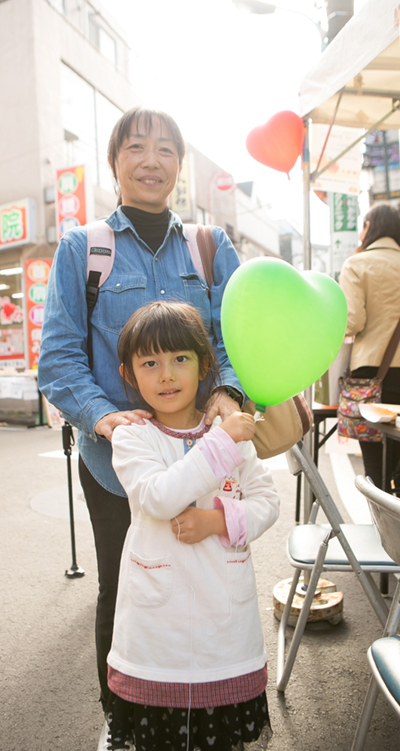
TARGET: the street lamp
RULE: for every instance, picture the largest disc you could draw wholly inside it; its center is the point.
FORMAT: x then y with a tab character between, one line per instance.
263	9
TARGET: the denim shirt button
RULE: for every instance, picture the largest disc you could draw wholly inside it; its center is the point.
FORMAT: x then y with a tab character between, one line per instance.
162	291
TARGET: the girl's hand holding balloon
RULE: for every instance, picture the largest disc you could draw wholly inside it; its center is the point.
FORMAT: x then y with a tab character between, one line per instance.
195	524
240	426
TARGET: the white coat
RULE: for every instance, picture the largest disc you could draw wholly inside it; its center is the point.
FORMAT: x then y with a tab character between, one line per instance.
185	613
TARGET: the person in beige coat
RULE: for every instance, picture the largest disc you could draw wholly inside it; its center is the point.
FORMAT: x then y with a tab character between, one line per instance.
370	280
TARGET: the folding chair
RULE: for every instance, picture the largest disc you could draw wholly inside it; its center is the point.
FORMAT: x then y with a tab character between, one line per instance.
334	546
384	653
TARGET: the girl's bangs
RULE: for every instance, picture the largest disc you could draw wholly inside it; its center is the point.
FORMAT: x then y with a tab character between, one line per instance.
157	336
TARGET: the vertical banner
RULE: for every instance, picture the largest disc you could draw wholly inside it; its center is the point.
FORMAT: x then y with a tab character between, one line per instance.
72	198
37	272
344	233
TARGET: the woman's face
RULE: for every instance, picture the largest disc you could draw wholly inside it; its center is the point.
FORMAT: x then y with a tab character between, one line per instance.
147	167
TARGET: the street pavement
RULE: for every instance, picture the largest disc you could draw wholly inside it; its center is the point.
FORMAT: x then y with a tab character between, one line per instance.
49	692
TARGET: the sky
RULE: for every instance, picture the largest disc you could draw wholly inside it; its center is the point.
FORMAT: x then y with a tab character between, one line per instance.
221	72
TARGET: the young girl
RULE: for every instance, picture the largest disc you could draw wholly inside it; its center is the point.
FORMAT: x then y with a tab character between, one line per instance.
187	667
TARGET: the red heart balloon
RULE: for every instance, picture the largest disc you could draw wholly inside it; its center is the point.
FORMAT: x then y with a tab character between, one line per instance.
8	308
279	142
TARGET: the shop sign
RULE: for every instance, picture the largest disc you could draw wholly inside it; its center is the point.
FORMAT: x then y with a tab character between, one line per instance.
344	232
37	273
224	181
343	176
17	223
12	348
71	198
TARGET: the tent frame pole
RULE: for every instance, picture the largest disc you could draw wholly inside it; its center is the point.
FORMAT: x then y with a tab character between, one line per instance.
307	263
317	173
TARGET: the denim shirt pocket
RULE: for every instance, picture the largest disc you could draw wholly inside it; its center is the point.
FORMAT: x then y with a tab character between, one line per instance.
119	297
196	294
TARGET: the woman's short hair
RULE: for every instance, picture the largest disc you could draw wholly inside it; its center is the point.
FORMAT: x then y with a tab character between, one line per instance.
167	327
145	117
384	221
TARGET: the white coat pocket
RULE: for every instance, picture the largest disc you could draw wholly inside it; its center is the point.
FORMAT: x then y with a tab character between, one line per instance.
150	580
240	577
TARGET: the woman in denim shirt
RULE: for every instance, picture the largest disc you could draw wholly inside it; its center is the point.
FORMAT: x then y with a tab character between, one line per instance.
152	262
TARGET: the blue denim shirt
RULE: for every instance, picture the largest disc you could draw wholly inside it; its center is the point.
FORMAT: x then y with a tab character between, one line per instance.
138	277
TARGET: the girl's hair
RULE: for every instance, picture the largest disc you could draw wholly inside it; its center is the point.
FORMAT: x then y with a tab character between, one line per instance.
147	118
384	221
167	327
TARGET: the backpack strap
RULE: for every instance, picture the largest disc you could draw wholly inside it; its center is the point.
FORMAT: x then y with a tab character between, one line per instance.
100	260
202	249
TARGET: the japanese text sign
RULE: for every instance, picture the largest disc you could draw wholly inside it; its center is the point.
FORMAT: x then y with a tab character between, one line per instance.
37	273
71	202
17	223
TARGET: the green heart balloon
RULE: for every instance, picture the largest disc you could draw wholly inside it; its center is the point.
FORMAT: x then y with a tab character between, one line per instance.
282	328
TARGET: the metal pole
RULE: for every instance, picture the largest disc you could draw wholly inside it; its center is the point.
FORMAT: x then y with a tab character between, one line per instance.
307	263
68	441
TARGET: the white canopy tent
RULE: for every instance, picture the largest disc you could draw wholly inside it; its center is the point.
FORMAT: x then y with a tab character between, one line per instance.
355	83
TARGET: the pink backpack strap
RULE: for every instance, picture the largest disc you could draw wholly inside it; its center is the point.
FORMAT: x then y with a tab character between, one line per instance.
191	234
100	249
202	249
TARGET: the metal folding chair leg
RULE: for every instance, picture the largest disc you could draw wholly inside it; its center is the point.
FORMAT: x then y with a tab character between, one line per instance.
327	504
284	669
366	714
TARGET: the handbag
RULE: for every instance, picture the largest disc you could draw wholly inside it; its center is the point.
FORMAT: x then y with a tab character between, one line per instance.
282	426
356	391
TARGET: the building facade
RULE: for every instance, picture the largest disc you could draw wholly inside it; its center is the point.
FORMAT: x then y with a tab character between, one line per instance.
64	82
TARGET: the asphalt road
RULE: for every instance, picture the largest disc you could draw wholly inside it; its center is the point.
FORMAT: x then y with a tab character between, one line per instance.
48	691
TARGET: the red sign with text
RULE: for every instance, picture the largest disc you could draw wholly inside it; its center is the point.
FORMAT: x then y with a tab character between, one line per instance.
71	202
37	273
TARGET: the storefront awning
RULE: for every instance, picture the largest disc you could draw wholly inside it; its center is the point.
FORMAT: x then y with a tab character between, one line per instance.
361	68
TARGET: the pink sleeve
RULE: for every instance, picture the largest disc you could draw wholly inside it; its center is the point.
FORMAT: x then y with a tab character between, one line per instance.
221	452
235	519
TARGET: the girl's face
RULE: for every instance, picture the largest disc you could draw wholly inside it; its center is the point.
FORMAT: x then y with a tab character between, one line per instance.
168	382
147	167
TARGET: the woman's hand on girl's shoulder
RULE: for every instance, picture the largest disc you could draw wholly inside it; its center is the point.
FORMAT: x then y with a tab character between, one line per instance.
240	426
108	423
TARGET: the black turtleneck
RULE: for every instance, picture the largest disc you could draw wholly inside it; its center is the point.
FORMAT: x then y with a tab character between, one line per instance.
151	228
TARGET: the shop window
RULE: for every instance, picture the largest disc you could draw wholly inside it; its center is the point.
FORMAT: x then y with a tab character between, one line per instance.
88	119
78	114
11	317
102	40
107	115
58	5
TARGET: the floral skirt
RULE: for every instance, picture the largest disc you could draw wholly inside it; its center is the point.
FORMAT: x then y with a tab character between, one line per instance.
236	727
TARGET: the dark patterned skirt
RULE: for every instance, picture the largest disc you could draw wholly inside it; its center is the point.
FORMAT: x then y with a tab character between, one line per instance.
236	727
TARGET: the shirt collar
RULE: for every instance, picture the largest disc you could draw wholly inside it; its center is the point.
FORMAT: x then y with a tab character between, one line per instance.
119	222
384	243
